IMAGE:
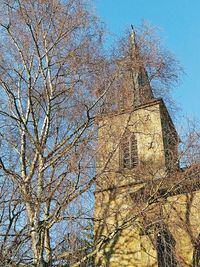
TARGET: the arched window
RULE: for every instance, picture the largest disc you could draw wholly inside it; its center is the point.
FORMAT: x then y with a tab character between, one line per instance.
129	152
165	245
196	254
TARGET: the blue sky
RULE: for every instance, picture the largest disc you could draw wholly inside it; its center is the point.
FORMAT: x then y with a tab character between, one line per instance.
179	22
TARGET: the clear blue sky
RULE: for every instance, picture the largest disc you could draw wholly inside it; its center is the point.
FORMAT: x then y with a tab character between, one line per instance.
179	21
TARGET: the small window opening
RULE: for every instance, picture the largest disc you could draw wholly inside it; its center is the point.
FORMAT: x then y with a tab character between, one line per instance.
196	254
129	157
165	245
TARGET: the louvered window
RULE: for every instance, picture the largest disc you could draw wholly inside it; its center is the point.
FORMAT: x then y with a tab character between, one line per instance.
129	152
196	254
165	244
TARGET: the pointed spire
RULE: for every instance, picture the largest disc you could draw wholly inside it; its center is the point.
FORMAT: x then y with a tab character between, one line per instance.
133	41
142	91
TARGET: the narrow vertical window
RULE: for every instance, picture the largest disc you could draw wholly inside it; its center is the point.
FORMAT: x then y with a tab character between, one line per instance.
165	245
196	254
134	151
129	153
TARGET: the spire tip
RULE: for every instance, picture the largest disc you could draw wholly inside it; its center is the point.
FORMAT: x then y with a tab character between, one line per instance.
133	35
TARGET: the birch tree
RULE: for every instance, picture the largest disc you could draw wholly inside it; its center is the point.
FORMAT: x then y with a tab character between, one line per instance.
50	58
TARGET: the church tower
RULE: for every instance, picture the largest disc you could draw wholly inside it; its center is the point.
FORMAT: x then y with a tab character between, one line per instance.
137	153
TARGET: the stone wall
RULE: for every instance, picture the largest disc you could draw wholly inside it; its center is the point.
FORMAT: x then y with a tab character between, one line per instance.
134	242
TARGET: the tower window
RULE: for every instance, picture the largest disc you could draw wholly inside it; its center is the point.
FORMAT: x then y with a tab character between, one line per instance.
165	245
196	254
129	153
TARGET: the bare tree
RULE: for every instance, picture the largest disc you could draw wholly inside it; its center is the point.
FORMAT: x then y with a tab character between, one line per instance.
55	86
50	57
